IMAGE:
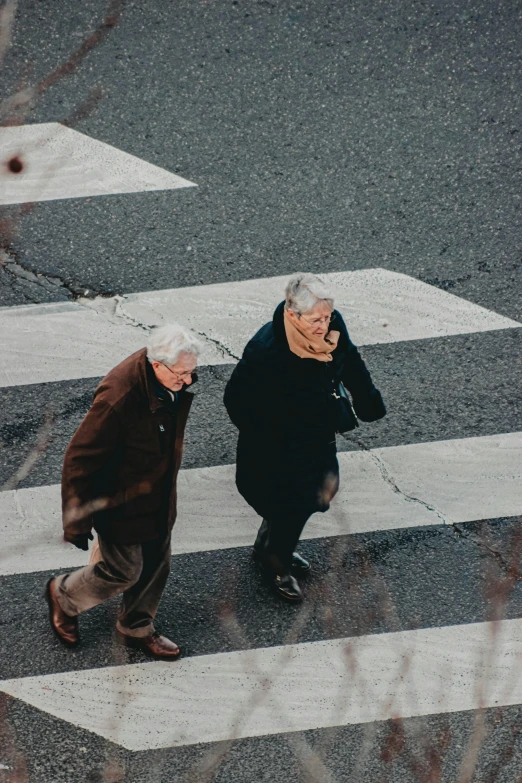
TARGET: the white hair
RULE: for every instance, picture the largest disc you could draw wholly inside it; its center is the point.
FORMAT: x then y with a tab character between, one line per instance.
167	342
304	290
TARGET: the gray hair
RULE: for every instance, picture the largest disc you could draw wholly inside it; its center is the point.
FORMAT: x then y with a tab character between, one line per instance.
304	290
167	342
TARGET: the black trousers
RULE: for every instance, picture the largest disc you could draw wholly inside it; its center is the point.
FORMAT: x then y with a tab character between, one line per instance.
277	539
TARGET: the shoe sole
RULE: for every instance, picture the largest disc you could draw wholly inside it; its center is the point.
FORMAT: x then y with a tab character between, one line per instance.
50	605
134	644
291	598
296	600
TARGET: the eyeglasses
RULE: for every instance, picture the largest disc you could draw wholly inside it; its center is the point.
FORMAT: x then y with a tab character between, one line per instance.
318	321
180	375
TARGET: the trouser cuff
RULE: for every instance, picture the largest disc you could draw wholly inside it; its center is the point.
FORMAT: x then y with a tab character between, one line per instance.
138	633
63	599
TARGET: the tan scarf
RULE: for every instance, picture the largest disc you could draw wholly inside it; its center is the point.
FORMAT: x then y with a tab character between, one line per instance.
310	346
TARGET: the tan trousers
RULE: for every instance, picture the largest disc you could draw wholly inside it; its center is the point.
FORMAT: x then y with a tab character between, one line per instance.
139	571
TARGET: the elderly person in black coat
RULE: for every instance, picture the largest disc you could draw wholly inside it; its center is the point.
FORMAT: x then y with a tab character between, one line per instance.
288	397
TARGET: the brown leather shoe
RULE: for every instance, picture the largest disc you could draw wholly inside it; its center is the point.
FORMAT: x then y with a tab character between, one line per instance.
64	626
155	645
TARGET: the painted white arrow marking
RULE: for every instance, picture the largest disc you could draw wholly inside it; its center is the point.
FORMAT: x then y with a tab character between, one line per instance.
61	163
297	687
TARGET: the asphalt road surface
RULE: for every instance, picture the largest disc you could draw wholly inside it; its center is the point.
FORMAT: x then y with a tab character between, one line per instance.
331	137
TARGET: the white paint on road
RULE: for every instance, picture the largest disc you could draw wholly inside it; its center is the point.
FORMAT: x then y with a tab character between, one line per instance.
63	341
442	482
55	342
61	163
296	687
378	305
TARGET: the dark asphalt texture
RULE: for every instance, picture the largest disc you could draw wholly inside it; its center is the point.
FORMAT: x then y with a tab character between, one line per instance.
322	135
325	136
381	751
373	583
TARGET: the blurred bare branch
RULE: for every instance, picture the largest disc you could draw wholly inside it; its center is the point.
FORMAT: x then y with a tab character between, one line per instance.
18	772
7	15
85	109
24	98
42	441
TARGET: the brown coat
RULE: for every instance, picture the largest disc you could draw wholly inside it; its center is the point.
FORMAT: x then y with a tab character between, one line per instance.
120	468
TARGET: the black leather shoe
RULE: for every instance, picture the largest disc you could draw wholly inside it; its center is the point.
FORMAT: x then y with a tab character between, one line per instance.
287	587
299	566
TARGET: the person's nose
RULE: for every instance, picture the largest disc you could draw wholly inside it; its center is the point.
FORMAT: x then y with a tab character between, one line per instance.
188	381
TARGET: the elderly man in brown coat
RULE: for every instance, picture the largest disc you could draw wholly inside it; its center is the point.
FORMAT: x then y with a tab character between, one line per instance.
119	477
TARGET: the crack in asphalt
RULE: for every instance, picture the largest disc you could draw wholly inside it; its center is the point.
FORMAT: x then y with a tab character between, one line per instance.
457	528
510	568
89	297
111	308
119	312
134	321
19	270
225	352
392	483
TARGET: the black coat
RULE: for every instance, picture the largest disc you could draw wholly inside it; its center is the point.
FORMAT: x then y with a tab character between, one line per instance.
287	419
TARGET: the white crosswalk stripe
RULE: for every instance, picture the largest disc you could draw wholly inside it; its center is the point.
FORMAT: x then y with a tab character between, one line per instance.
85	339
296	687
60	163
444	482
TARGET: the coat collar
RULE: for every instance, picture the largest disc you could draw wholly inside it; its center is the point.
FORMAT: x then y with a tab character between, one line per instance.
278	325
149	379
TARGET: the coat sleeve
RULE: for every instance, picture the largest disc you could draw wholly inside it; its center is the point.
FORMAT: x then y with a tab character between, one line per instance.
93	445
250	396
237	390
367	399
